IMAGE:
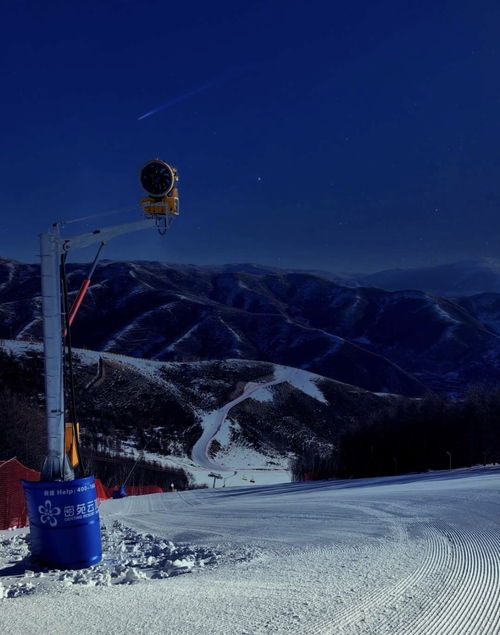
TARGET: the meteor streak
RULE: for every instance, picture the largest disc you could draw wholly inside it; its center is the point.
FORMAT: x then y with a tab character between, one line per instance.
216	81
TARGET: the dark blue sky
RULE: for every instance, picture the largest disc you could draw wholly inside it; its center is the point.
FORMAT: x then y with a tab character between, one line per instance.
321	134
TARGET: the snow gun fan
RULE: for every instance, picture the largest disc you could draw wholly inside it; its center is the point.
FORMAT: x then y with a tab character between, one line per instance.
158	179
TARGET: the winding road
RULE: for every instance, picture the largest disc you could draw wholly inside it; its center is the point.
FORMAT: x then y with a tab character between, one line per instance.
214	422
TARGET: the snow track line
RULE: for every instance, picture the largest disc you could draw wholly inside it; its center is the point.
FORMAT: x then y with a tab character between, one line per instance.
185	501
470	603
436	557
433	575
456	590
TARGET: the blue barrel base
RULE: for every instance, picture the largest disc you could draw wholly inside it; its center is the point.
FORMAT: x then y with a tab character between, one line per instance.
65	531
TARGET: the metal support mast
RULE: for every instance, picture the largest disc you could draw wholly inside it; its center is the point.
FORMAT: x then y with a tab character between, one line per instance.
158	180
56	465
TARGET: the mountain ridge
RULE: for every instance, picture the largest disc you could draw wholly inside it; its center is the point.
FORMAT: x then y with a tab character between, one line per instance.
385	341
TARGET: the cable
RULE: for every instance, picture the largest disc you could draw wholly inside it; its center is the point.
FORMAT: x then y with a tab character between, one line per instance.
70	359
136	462
118	210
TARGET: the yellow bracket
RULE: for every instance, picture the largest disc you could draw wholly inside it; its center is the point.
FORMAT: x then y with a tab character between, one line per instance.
161	206
70	442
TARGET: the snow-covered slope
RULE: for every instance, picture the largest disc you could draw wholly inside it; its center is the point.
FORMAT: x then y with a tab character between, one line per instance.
233	416
415	555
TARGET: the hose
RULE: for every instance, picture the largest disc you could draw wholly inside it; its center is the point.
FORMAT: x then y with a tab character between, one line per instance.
69	357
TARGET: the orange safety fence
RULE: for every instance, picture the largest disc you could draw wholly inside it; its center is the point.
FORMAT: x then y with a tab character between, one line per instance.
13	511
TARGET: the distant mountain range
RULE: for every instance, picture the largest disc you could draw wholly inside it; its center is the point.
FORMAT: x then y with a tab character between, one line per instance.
381	339
467	277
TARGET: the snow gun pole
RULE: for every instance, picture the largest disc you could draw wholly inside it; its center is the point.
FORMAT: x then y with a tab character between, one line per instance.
56	466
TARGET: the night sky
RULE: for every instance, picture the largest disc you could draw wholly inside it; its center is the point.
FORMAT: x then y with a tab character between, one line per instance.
343	136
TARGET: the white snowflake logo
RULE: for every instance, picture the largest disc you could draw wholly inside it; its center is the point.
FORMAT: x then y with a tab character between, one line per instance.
48	513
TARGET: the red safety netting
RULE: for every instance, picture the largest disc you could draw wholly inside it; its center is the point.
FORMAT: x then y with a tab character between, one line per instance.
104	492
139	490
13	511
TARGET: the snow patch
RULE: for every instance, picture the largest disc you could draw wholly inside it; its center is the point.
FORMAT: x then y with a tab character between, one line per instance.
263	394
303	380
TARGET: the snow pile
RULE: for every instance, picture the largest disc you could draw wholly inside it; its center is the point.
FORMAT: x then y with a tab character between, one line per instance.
128	557
132	556
16	548
15	552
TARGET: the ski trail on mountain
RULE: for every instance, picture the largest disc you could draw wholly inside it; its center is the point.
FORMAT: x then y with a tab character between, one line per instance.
215	420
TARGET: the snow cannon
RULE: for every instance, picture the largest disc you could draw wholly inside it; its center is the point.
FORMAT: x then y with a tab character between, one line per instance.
63	512
158	180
